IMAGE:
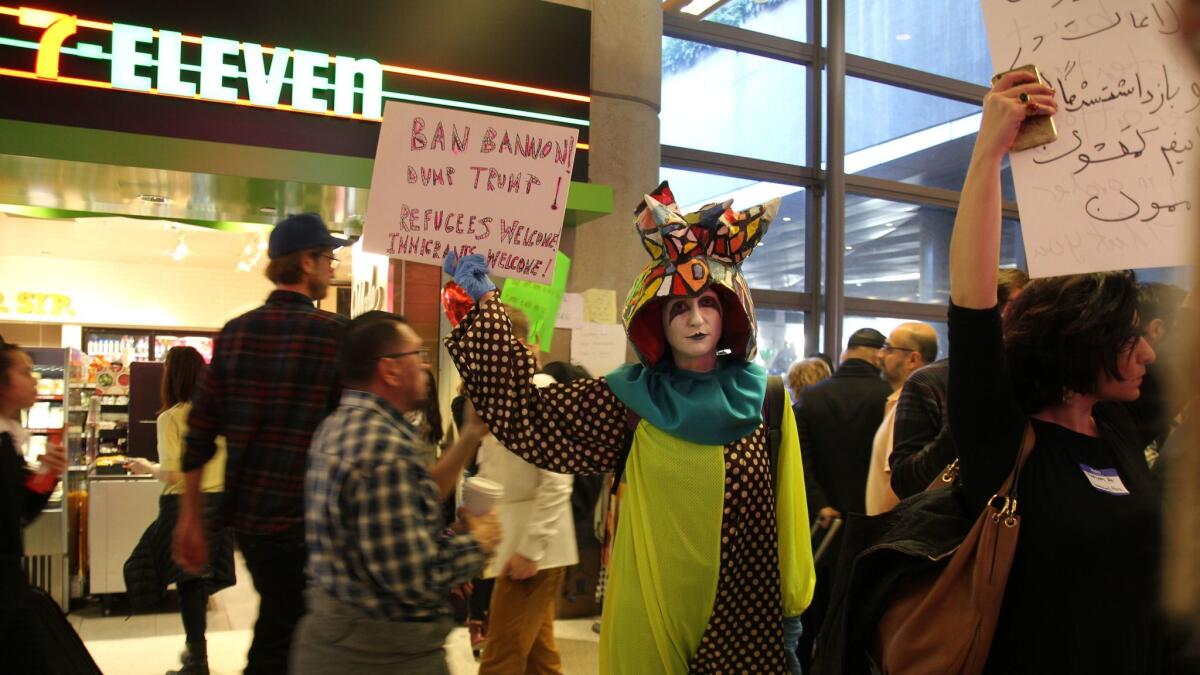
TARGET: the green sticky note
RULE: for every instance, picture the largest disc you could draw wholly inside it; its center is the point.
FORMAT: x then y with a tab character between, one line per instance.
539	301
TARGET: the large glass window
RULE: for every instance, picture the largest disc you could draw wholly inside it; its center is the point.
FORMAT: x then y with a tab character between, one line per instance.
778	262
783	18
733	103
780	339
902	135
898	251
944	37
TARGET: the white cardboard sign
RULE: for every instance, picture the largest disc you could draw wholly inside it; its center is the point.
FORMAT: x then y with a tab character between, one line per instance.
447	180
1115	190
599	347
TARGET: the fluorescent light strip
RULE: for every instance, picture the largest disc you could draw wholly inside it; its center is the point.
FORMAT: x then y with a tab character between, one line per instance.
401	70
485	108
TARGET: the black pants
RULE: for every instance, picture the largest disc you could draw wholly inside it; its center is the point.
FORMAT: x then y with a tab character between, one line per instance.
276	564
193	608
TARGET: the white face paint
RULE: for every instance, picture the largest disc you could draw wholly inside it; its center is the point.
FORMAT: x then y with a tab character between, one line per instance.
692	326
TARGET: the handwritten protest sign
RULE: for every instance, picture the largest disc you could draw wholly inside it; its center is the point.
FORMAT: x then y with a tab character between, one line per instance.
539	302
447	180
599	347
1115	190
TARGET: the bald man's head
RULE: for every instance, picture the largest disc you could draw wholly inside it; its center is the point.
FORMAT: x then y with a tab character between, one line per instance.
909	347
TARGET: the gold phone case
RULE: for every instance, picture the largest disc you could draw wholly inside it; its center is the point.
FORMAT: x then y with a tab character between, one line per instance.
1035	131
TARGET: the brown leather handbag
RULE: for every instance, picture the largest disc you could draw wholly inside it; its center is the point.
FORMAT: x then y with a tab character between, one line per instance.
942	623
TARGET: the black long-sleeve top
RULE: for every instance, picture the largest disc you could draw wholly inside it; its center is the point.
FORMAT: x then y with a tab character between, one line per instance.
19	506
1082	593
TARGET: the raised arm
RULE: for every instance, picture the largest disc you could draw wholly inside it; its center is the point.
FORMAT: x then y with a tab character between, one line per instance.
975	243
567	428
985	420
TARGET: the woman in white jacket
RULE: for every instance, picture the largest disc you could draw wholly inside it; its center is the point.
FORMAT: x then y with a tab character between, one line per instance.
531	560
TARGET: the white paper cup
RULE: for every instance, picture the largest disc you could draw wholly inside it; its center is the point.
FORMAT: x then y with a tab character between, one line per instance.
481	495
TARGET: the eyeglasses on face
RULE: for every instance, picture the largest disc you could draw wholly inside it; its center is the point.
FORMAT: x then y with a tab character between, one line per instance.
422	354
888	347
334	263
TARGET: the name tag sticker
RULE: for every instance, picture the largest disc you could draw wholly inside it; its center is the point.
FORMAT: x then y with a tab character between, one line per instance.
1105	480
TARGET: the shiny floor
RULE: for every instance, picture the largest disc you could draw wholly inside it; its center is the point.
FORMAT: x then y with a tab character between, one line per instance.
150	643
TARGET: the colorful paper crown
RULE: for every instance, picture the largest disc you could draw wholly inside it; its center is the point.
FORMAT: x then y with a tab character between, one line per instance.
689	254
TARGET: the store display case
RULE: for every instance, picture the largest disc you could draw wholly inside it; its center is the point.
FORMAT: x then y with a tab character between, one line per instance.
52	554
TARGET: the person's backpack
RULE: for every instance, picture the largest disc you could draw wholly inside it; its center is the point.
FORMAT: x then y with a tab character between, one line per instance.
772	417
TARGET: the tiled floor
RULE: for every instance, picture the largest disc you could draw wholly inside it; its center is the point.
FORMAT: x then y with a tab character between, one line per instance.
149	644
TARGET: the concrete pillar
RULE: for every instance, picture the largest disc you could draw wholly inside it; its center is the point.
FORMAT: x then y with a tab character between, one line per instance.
626	86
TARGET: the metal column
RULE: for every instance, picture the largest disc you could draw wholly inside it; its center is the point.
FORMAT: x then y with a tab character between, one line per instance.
835	187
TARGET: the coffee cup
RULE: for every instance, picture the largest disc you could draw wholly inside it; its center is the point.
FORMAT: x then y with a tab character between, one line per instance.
481	495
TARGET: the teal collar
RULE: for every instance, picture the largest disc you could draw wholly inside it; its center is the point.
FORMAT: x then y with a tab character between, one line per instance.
713	408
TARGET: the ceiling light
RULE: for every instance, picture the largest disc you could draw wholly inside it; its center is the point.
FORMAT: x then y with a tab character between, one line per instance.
849	248
903	37
787	219
698	7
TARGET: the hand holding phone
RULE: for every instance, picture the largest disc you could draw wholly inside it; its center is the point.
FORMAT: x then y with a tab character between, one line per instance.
1037	129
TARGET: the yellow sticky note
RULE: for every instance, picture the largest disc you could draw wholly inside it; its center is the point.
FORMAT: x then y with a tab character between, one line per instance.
600	305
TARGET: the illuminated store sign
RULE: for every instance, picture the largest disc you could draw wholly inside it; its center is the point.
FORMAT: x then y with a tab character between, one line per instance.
165	62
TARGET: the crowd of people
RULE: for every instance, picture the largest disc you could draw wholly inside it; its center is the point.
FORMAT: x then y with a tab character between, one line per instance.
307	441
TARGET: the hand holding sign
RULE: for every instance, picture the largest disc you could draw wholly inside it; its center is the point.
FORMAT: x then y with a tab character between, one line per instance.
471	272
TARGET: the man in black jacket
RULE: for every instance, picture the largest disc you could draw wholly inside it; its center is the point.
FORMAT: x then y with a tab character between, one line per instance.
837	419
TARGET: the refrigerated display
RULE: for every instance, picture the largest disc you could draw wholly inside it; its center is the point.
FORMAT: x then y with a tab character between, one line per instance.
52	554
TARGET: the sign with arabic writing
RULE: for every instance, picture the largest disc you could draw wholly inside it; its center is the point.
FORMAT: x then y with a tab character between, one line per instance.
1115	190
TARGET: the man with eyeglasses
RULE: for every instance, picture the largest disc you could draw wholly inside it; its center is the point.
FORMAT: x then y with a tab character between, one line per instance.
910	346
380	562
272	379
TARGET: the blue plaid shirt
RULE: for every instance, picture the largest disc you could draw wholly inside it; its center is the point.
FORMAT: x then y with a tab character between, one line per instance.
373	518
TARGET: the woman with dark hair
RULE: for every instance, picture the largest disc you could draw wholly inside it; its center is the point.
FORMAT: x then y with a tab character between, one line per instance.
23	494
1082	594
150	568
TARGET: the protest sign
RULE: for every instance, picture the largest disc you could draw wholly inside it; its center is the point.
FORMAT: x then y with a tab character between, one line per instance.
570	311
539	302
1115	190
599	347
447	180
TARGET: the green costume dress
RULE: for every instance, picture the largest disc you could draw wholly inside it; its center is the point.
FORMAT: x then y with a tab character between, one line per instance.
711	553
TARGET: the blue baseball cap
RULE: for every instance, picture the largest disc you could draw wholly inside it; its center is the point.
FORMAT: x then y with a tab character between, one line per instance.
299	232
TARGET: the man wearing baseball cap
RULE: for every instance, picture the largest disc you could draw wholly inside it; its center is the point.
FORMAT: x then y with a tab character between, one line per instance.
837	419
271	381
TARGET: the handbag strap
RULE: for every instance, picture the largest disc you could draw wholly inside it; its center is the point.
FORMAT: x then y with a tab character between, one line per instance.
1005	499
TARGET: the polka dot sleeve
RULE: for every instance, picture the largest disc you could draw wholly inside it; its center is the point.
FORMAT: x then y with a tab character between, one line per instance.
567	428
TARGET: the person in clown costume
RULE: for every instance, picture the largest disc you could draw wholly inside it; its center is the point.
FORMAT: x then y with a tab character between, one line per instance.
712	559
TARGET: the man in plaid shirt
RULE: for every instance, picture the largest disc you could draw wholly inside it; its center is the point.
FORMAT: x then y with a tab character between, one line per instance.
380	562
272	380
